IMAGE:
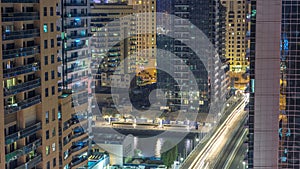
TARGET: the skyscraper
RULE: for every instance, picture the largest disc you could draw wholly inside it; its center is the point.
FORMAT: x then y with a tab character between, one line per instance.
209	17
41	122
236	43
114	44
146	37
272	107
29	82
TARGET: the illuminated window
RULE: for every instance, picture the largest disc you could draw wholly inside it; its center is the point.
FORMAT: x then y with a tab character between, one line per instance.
47	150
53	147
45	28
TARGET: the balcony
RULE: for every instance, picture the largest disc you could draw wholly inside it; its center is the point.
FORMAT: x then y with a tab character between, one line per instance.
22	34
72	122
22	105
76	79
76	15
78	68
23	133
77	36
79	102
74	26
22	87
78	161
71	48
31	163
78	147
20	52
76	4
77	89
24	150
20	16
20	1
74	58
21	70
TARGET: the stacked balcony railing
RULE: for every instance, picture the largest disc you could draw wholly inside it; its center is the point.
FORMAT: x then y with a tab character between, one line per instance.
21	70
21	34
31	163
20	16
26	51
22	87
24	150
23	133
22	104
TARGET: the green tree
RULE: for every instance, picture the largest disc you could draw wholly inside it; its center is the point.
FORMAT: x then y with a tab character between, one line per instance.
169	153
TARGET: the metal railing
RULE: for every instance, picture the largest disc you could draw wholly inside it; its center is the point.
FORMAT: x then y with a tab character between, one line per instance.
24	150
20	16
31	163
21	70
26	51
30	33
20	1
22	104
23	133
22	87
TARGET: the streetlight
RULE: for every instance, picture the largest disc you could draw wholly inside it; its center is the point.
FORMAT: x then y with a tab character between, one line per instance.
244	165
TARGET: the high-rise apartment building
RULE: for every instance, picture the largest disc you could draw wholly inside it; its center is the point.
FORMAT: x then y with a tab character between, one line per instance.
76	80
41	125
146	39
113	44
29	78
274	98
208	17
236	43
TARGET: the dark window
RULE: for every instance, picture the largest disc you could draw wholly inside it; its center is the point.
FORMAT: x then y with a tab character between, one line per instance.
52	74
51	11
46	76
45	11
47	134
53	115
51	27
54	162
53	90
46	60
46	92
52	43
52	59
45	44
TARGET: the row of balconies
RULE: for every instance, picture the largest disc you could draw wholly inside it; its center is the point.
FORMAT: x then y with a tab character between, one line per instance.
75	26
74	58
73	121
77	36
75	47
21	34
76	15
79	101
31	162
75	79
75	4
20	1
20	52
21	70
20	16
24	150
13	90
12	108
79	88
77	68
28	131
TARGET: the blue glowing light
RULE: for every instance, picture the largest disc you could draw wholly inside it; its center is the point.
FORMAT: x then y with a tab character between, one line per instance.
77	19
283	159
